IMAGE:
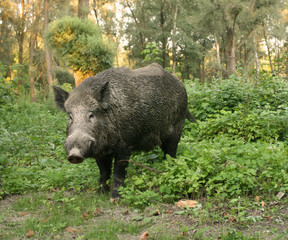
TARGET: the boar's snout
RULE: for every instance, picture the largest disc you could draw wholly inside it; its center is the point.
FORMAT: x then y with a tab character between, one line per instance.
79	147
75	156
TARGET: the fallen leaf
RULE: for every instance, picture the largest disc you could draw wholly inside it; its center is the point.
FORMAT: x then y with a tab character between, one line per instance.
273	203
156	212
45	220
257	198
231	219
126	212
23	214
71	230
30	233
184	234
85	216
144	236
97	212
267	217
280	195
54	190
114	200
186	203
226	214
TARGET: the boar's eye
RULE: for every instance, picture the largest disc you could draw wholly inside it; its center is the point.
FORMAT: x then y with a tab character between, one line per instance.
91	115
70	116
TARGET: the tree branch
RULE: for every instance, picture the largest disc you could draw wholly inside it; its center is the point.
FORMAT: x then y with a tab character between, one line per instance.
143	166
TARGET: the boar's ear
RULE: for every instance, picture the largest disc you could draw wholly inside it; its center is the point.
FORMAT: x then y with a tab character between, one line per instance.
60	97
102	92
102	95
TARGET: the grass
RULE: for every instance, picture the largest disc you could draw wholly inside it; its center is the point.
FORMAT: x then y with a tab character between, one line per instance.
59	214
234	179
85	215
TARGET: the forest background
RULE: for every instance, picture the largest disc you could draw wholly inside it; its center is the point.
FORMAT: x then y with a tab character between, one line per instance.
192	39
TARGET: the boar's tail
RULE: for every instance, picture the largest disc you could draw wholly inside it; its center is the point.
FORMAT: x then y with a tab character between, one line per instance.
190	117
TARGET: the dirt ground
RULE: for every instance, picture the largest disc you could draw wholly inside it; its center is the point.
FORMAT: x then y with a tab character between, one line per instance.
167	221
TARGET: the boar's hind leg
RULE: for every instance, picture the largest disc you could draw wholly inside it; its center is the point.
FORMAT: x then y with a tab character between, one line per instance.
104	165
119	173
170	147
170	144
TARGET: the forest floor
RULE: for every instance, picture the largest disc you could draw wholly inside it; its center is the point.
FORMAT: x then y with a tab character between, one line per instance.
68	215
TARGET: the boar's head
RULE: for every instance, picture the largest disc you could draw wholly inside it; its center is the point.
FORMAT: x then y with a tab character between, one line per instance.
87	110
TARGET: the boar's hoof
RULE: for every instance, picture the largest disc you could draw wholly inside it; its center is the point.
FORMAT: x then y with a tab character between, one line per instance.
115	194
75	156
103	189
114	200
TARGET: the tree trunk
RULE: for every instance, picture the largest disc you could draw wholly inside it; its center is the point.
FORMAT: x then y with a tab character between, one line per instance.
142	38
256	57
164	39
219	69
83	8
21	41
22	32
33	38
94	6
174	41
47	51
286	59
230	52
268	50
31	69
202	69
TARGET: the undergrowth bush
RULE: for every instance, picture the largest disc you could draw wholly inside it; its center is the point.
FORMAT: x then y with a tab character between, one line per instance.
236	93
240	108
32	154
220	167
7	90
237	148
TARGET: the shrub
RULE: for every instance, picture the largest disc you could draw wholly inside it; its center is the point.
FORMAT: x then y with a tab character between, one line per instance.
236	93
240	108
7	89
63	76
79	44
221	167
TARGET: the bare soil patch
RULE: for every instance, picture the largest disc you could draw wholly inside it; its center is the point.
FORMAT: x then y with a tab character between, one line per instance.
163	221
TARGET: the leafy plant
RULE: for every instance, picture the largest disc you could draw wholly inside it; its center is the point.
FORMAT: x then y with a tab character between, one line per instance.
151	53
79	44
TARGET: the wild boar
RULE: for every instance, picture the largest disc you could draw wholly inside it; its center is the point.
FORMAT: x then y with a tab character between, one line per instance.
120	111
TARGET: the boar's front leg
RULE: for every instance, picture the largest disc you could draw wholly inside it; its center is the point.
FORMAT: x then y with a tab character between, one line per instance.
119	173
105	165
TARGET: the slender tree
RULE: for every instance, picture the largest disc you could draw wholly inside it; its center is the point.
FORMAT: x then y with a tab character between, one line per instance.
174	54
83	8
33	38
47	50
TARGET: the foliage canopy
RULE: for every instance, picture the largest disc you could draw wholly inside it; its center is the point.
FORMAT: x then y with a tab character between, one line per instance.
79	44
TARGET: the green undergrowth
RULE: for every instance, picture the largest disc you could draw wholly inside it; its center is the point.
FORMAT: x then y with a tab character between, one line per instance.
32	154
213	168
236	153
237	148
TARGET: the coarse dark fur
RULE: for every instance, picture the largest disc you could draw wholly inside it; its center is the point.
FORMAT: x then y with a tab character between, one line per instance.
120	111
